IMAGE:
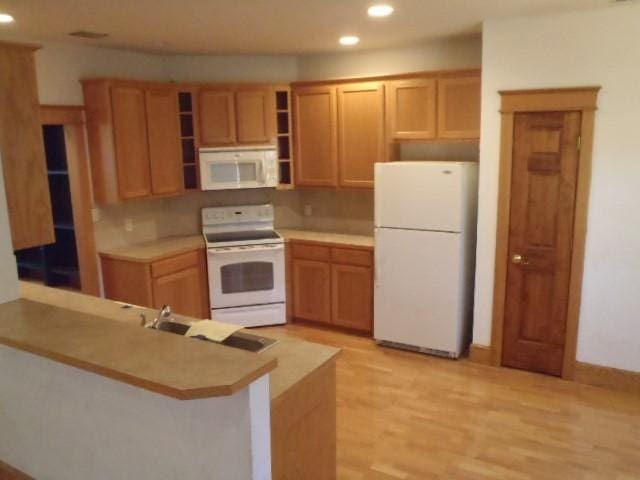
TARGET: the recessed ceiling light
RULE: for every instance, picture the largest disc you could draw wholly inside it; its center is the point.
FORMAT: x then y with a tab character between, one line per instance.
381	10
5	18
349	40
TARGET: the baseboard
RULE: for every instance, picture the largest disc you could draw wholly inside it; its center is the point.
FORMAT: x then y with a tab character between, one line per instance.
7	472
480	354
608	377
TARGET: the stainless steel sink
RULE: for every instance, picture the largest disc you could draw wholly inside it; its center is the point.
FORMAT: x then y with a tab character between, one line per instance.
173	327
241	340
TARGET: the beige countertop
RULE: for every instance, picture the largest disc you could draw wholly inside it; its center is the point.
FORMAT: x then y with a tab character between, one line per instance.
155	250
92	333
167	247
347	240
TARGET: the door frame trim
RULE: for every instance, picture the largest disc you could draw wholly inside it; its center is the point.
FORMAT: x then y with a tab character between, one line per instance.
581	99
72	118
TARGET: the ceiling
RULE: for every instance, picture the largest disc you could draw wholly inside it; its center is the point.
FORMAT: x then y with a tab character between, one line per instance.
261	26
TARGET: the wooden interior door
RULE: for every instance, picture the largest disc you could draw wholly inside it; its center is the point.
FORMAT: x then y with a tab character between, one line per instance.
411	107
217	117
543	192
316	159
352	297
312	290
131	141
360	132
459	108
163	126
255	116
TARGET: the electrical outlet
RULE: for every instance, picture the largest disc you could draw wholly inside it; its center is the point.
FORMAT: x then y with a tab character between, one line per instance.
308	211
128	225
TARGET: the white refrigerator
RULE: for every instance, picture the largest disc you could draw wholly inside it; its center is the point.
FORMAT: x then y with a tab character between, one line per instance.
425	218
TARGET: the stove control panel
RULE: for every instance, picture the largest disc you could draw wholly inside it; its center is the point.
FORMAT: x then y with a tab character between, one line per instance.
245	214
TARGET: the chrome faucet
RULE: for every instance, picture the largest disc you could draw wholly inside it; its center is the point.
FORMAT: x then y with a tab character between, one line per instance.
164	316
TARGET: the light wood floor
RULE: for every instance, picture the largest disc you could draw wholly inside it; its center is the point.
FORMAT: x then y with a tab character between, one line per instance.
409	416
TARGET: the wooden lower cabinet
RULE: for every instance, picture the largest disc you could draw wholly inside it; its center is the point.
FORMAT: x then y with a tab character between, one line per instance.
352	297
182	290
303	428
311	290
179	281
332	285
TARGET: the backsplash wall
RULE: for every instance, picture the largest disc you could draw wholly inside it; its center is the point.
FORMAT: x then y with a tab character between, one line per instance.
345	211
342	211
165	217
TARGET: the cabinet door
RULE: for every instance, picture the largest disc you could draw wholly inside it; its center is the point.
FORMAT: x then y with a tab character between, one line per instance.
352	297
217	117
255	113
183	290
131	141
163	126
22	151
360	132
315	136
411	107
459	108
311	290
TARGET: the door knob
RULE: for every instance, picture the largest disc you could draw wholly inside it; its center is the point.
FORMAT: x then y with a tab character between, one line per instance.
517	258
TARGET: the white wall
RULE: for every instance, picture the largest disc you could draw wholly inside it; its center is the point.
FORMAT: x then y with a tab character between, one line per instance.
594	47
9	289
59	68
439	55
62	423
246	68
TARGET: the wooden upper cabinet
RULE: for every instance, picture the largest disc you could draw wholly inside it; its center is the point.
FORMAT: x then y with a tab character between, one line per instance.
411	109
22	150
255	116
459	107
131	142
360	132
217	117
315	142
236	115
163	127
133	129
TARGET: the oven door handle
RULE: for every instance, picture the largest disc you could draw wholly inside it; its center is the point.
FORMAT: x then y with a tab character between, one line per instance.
231	250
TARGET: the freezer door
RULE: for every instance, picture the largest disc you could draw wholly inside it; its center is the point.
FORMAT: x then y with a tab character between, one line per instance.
418	289
419	195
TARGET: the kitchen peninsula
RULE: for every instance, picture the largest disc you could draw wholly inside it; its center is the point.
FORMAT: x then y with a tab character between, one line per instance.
177	408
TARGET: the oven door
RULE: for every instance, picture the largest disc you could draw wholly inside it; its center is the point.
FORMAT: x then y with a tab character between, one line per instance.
228	170
243	276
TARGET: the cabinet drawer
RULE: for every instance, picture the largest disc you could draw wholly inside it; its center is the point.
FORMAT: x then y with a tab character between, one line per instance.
175	264
310	252
348	256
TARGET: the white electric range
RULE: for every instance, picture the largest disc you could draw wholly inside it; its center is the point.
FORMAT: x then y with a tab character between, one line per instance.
245	260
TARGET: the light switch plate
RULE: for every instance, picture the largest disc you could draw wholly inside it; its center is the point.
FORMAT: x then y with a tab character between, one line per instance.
128	225
308	211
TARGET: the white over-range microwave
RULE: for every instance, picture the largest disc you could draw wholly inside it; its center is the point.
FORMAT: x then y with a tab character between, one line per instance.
238	167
